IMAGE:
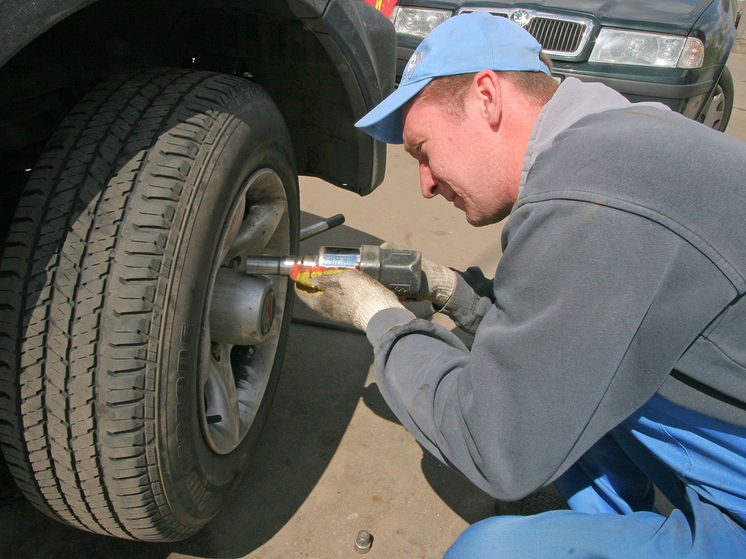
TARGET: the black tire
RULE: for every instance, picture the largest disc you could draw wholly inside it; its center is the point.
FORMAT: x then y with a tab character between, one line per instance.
720	105
107	357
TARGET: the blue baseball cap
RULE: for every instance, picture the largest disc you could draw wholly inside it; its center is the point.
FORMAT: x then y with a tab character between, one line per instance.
463	44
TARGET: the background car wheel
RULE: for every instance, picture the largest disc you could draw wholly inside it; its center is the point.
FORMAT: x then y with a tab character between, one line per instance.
717	112
137	361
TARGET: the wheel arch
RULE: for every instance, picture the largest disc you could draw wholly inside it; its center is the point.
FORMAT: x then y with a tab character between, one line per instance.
325	63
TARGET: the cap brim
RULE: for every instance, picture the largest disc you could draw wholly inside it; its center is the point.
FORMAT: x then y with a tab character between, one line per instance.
384	122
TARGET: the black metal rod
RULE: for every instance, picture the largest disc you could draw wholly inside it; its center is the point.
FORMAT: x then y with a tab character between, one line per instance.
321	226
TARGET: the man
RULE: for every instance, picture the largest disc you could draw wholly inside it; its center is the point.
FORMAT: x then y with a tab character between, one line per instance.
610	350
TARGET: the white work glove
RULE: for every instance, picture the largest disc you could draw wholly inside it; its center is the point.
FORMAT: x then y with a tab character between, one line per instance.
347	296
438	282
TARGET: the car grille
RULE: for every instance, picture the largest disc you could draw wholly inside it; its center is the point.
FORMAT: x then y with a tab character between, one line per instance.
559	36
556	35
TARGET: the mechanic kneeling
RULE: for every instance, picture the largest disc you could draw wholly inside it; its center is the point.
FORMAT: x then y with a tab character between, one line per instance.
610	349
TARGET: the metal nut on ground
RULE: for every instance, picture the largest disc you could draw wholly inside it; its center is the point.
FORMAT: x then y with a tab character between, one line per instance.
363	541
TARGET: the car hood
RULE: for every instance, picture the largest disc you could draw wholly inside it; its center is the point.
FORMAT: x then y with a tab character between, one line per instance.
674	15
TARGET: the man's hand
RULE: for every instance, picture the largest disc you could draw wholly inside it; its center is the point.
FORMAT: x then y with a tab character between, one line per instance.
438	282
345	296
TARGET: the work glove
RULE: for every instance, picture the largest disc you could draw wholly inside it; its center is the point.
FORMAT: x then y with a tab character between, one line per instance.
438	282
347	296
481	285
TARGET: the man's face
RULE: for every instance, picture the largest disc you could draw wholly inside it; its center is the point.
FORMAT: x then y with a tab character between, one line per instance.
457	160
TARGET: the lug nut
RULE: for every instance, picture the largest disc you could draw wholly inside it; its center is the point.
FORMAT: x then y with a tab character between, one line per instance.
363	541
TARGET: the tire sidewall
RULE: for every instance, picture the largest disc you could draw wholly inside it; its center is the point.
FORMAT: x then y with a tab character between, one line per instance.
726	85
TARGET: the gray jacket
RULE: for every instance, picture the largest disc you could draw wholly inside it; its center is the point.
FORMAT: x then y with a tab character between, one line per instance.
623	267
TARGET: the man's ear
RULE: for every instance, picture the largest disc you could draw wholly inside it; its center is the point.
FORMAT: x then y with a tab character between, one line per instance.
489	96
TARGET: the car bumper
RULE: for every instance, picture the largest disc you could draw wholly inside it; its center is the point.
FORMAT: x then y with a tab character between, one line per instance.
686	92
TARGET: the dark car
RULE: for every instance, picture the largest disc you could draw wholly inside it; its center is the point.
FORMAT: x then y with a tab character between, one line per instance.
147	148
648	50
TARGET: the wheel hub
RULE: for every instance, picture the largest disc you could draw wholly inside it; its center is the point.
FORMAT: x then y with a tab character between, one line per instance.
242	311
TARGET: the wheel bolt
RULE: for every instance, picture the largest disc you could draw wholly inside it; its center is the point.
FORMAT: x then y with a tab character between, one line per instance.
363	541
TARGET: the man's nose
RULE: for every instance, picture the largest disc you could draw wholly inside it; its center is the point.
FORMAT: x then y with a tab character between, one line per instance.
427	182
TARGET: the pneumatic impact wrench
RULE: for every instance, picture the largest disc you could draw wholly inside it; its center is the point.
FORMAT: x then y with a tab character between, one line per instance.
397	269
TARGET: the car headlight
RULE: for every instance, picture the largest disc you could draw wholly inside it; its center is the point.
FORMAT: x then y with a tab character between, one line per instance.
417	22
619	46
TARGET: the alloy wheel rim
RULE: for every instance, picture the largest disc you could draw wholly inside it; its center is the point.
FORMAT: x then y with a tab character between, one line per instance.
716	109
233	378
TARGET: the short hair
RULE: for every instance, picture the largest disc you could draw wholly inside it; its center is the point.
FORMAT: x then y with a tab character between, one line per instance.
449	92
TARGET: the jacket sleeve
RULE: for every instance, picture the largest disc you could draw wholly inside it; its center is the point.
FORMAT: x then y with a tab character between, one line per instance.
594	306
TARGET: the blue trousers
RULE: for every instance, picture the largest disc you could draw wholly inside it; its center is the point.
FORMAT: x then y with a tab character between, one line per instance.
697	462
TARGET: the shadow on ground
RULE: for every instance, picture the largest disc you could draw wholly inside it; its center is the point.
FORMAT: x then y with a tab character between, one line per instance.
461	496
322	382
315	400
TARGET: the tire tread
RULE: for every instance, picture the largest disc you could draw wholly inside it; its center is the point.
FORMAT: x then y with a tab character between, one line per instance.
65	262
